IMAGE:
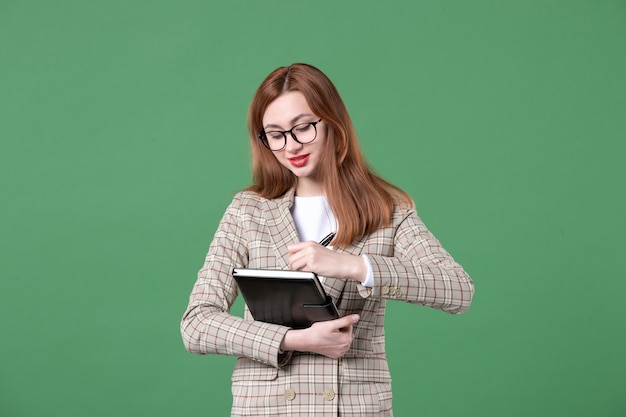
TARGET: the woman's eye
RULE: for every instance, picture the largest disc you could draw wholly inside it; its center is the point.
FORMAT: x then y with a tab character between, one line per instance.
275	135
303	128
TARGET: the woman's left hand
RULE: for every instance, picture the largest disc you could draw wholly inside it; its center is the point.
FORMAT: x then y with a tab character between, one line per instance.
311	256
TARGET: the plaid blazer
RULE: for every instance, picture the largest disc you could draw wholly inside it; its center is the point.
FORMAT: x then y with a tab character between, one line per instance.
409	265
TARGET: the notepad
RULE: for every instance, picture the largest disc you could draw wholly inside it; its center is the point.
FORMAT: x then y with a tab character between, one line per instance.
290	298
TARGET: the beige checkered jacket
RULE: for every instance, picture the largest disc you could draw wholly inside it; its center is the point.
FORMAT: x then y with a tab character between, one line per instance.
409	265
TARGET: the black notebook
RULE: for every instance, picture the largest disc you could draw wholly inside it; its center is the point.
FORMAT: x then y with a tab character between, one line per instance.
290	298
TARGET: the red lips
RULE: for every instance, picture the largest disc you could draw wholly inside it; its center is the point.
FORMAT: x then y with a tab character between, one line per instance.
299	160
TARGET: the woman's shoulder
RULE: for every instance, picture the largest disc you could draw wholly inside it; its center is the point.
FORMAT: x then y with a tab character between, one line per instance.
247	195
247	199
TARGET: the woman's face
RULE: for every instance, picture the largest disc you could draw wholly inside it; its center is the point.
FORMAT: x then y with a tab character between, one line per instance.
285	112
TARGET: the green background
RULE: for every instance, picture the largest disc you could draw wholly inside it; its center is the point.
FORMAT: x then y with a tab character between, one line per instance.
123	138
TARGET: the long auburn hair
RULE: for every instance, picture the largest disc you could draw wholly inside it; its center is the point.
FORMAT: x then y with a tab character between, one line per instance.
361	201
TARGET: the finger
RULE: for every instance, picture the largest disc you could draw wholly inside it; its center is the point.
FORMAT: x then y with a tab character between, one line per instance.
346	322
296	262
295	247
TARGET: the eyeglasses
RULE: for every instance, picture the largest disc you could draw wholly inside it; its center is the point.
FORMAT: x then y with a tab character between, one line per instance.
276	140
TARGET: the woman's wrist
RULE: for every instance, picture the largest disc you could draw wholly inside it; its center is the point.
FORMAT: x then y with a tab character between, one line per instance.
357	269
292	341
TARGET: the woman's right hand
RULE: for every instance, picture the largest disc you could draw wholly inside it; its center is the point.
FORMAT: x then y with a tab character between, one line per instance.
330	338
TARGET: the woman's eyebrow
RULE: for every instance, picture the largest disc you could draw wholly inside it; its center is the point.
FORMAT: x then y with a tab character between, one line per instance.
293	121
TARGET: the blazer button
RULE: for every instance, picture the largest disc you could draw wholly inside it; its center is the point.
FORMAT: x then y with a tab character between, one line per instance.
290	394
329	395
385	289
398	292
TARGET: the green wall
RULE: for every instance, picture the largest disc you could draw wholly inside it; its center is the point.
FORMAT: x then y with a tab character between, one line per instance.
123	138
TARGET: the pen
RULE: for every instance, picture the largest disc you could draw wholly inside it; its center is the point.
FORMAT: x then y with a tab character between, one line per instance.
327	239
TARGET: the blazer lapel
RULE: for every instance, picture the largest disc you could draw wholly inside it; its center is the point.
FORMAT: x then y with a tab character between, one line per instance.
280	225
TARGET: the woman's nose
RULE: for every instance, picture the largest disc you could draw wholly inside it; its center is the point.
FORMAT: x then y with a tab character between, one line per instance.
292	145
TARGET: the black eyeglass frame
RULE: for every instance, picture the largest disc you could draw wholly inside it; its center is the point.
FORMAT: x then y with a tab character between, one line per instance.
263	135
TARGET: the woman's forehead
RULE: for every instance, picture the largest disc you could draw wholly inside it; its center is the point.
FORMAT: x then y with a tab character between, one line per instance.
287	109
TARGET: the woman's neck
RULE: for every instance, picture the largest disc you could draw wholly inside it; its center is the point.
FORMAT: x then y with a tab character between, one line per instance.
307	187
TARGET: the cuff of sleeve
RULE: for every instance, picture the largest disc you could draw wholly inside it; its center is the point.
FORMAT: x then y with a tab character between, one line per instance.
272	356
284	358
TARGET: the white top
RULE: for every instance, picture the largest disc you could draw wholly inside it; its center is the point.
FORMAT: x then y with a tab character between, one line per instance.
313	217
314	220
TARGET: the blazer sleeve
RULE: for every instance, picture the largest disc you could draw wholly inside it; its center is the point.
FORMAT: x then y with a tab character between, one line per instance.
420	270
207	325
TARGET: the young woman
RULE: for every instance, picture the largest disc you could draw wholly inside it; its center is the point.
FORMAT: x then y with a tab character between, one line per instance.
310	179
